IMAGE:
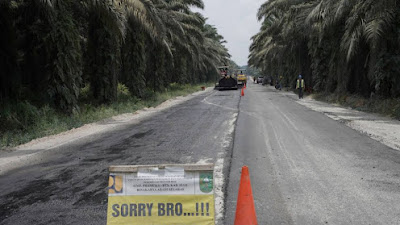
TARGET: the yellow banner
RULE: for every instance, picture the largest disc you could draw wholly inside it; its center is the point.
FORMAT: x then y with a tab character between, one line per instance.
161	209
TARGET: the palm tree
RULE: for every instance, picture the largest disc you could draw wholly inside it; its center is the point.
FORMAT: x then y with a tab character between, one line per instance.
114	24
50	42
191	51
105	34
8	53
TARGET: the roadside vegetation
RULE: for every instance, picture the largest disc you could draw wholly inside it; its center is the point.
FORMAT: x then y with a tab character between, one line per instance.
384	106
340	47
61	61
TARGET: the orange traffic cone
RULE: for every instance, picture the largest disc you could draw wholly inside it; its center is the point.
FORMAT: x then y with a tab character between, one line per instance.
245	210
242	93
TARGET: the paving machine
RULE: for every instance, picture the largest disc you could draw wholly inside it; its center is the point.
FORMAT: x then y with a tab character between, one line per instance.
227	81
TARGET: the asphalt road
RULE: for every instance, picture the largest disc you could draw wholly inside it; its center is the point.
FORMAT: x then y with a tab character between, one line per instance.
69	184
306	168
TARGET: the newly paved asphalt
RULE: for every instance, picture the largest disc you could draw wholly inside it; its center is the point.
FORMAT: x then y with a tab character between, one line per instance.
69	185
306	168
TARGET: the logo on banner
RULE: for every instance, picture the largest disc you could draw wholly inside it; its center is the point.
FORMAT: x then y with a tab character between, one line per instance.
206	182
115	184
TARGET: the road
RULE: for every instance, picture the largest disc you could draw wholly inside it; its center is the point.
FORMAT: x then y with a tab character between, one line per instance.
68	185
305	167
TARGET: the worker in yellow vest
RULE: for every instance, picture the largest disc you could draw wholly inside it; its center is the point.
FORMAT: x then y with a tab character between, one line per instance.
301	86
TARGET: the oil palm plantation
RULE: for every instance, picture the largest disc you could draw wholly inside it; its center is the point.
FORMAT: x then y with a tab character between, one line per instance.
340	45
53	48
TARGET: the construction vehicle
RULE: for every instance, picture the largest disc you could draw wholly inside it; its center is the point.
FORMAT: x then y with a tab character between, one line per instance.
227	80
241	77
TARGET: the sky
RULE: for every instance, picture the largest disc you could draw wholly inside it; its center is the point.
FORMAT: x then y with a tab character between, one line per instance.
236	20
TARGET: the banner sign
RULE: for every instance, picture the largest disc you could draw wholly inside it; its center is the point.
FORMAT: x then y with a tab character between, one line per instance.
161	194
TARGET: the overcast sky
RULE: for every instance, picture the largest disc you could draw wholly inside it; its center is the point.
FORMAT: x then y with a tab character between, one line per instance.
236	21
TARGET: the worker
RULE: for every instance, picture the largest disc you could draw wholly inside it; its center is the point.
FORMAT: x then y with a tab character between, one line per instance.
279	84
300	85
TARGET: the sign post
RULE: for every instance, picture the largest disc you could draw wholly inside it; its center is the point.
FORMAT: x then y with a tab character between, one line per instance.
161	194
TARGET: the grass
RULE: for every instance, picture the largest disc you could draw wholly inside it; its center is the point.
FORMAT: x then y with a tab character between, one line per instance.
22	122
386	107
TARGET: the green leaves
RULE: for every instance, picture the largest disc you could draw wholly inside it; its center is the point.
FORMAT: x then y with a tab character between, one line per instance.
326	38
51	48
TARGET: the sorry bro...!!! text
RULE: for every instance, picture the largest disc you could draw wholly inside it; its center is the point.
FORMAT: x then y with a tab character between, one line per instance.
163	209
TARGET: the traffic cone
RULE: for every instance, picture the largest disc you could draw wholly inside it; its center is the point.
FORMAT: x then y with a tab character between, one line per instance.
244	85
242	93
245	210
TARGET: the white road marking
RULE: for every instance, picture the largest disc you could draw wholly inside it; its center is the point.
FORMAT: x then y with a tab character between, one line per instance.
219	176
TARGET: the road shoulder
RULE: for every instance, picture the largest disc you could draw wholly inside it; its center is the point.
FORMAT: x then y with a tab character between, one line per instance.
380	128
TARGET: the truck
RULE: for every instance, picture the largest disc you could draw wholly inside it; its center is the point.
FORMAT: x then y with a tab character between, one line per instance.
241	77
